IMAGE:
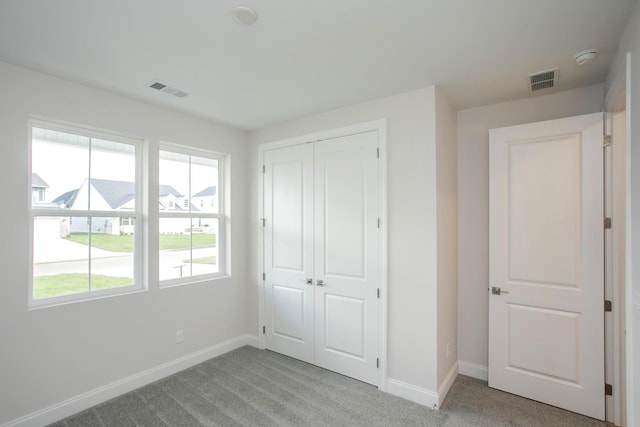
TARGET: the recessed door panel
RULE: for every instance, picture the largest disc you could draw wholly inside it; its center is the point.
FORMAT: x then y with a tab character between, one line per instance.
556	335
544	210
287	215
288	312
345	325
345	212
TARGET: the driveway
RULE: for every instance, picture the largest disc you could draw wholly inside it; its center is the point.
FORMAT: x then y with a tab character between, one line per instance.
57	249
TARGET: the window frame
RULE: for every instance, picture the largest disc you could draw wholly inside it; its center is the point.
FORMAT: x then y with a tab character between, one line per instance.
139	237
221	214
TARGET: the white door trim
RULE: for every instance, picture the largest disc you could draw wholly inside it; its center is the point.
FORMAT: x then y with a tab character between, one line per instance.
381	127
619	359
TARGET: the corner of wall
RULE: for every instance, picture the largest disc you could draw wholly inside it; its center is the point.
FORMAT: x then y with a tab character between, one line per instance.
447	238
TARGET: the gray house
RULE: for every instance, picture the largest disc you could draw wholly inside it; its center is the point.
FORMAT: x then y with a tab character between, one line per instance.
38	188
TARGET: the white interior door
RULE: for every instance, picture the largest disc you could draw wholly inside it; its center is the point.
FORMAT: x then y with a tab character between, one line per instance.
347	255
546	326
288	254
322	254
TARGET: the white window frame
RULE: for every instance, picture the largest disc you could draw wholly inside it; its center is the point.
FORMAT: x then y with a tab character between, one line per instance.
137	214
221	215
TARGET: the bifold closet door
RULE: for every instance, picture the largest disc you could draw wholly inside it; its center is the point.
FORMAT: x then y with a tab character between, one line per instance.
347	255
288	251
322	253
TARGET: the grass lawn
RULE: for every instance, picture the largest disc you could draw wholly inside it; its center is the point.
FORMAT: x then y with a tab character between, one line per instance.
72	283
202	260
181	241
115	243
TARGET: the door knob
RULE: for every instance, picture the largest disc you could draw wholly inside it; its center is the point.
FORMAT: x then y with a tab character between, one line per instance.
495	290
309	281
319	283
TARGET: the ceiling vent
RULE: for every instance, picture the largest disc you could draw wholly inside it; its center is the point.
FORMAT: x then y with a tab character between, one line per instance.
543	80
167	89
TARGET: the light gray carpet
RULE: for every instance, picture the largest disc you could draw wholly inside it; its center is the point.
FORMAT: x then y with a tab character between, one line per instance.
251	387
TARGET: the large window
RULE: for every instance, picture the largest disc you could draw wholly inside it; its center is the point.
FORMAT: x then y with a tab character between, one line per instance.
85	211
191	215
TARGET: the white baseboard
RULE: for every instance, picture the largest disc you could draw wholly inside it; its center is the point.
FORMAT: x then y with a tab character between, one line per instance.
473	370
413	393
444	388
421	395
109	391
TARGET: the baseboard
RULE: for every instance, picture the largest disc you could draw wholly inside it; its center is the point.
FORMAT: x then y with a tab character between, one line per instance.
109	391
473	370
444	388
413	393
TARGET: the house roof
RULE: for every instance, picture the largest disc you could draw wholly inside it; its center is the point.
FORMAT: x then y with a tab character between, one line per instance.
167	190
118	193
38	182
115	193
66	199
209	191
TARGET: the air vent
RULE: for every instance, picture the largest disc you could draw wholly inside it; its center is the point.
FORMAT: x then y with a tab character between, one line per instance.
167	89
543	80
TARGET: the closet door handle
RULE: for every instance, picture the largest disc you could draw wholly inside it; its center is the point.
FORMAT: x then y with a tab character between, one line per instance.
309	281
319	283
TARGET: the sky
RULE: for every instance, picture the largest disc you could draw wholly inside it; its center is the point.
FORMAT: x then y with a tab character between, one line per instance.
65	166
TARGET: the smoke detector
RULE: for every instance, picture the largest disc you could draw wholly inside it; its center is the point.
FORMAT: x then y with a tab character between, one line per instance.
585	56
244	15
543	80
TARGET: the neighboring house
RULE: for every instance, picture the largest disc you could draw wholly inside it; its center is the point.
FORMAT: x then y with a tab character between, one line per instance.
38	189
65	200
111	195
46	227
206	200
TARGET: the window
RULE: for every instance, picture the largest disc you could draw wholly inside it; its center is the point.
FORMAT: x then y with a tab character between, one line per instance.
190	237
84	210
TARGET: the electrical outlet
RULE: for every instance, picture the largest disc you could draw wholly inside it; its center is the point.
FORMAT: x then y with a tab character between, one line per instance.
179	336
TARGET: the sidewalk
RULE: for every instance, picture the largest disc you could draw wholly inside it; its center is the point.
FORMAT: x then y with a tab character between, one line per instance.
58	249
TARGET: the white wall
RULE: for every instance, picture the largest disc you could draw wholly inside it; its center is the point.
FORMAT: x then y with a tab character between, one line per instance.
447	231
473	206
630	43
411	171
52	354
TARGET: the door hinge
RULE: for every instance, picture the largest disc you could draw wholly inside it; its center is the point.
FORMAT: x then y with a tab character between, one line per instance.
607	305
378	222
606	140
264	330
378	293
264	276
377	153
264	222
608	390
377	363
607	223
264	169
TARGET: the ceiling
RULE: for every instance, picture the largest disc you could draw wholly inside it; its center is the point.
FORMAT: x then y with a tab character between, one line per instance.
305	57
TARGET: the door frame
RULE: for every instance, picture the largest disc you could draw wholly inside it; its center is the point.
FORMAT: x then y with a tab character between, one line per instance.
380	126
618	348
